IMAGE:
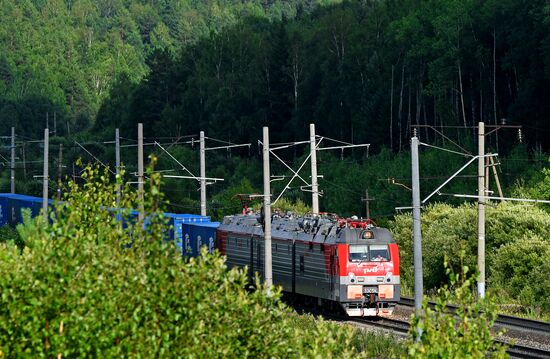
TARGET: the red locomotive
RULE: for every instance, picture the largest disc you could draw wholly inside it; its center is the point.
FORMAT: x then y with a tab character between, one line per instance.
349	262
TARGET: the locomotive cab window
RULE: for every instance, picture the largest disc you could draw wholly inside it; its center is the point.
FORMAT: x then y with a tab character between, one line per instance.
369	253
379	253
359	253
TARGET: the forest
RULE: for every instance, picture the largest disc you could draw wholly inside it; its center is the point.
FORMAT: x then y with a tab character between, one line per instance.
362	71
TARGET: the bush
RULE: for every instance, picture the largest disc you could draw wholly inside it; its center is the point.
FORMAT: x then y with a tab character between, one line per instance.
78	289
9	235
521	270
447	229
465	334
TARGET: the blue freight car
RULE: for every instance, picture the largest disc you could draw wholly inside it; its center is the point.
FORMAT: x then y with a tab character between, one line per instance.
190	237
4	209
14	204
189	231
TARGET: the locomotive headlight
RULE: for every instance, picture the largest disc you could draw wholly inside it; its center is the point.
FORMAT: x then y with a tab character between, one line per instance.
389	277
367	235
351	277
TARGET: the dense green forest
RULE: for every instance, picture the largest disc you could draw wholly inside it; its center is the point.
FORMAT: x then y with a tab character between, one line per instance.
363	71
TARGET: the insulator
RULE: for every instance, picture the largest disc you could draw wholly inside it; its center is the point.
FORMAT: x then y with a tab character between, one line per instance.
520	135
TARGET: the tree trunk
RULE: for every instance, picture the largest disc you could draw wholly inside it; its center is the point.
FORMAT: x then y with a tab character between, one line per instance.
516	78
473	101
391	109
435	112
425	121
408	129
400	114
495	83
296	71
480	96
461	94
494	77
418	106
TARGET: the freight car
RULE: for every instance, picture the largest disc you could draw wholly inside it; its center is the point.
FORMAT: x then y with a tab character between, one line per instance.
188	231
347	262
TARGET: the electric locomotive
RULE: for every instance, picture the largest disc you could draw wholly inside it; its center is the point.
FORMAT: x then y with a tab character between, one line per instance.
347	262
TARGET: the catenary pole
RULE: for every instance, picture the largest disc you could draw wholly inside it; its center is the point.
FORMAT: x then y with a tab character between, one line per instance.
267	210
140	172
417	232
12	165
481	211
117	164
314	185
24	161
367	201
487	179
45	175
203	174
493	165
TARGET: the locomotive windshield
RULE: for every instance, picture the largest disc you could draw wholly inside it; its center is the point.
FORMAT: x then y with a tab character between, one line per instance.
359	252
369	253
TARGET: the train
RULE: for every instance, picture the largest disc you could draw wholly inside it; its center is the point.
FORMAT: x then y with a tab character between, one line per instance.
348	262
344	262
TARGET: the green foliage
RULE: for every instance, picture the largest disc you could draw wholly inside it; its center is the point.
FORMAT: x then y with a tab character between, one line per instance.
447	229
30	227
537	188
8	235
226	202
342	65
86	285
298	207
521	271
466	334
103	43
377	344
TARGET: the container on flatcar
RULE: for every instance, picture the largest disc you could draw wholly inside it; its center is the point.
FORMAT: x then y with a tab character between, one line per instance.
17	203
190	231
4	209
195	235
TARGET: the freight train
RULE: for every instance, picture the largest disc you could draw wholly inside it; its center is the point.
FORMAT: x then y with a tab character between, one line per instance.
345	262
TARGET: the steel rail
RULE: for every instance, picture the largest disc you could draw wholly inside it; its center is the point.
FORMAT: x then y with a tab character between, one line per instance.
502	319
402	328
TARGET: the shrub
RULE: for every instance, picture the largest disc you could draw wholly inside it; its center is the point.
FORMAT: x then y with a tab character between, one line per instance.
447	229
521	270
465	334
9	235
79	289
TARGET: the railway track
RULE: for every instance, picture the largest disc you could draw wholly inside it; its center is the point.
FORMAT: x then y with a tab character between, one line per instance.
401	328
503	320
536	329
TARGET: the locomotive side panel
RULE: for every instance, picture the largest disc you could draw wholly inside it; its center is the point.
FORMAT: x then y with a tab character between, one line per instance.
257	255
237	248
311	276
282	254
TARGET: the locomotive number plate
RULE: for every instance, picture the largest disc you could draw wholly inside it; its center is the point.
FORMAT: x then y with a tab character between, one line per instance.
370	290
